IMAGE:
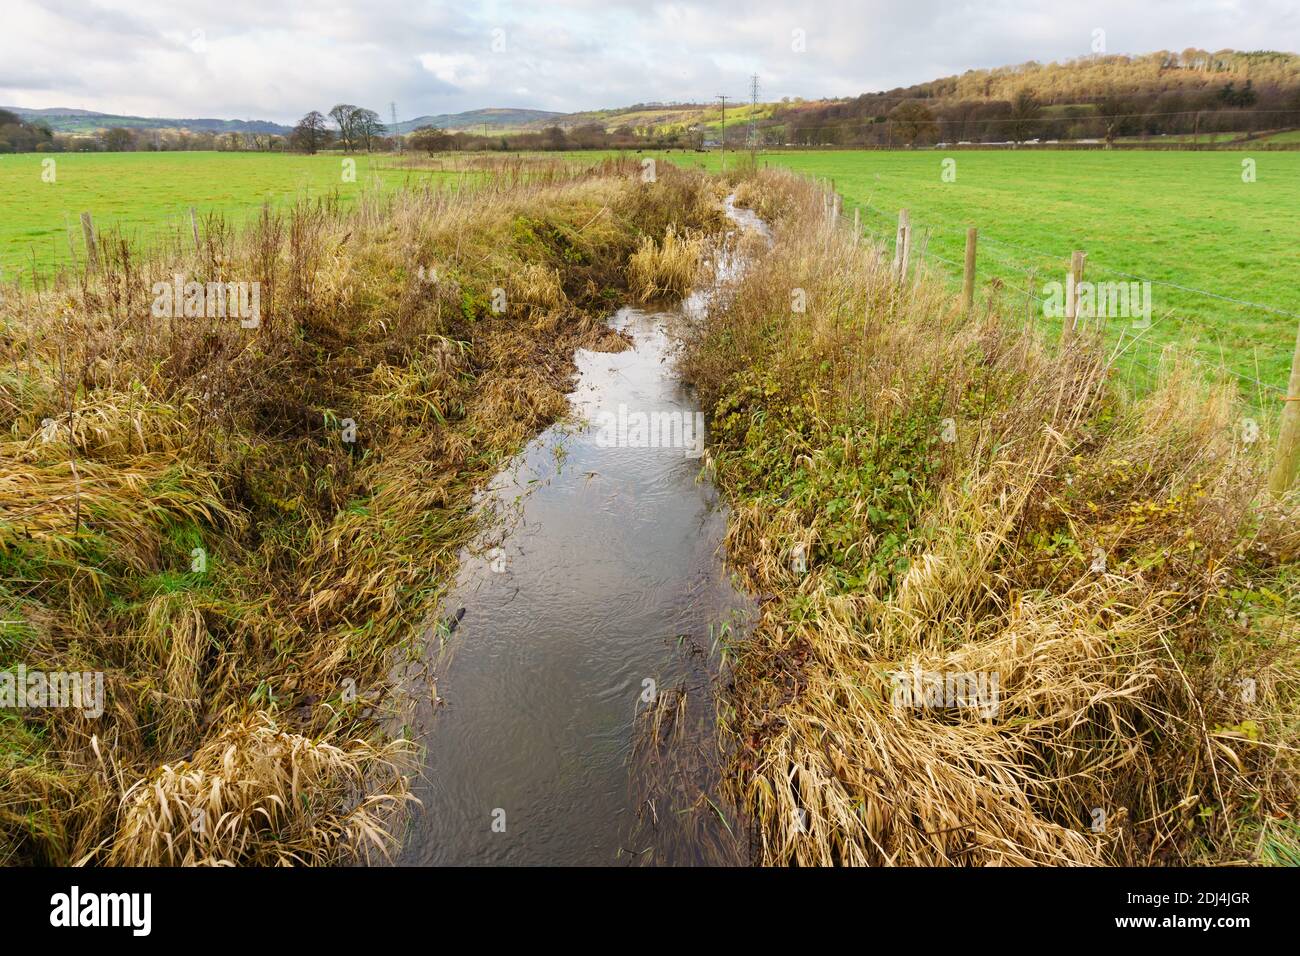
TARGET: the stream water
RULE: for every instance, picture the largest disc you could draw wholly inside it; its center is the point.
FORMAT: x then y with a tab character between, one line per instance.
599	600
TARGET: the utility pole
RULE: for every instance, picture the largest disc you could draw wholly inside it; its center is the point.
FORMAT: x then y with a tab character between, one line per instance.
753	112
723	98
392	111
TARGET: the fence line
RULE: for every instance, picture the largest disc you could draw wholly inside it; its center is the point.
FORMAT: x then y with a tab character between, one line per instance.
984	237
1010	265
1131	353
1286	465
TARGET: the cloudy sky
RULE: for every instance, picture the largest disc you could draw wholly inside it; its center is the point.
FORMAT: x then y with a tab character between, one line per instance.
272	59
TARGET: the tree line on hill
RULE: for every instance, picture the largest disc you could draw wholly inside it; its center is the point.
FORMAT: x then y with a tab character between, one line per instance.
352	128
35	136
345	127
1097	97
431	139
19	136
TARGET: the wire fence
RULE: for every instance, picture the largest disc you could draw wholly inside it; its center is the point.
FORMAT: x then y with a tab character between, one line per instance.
1013	269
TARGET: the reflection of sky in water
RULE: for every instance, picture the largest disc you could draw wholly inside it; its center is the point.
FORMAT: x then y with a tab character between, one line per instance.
609	573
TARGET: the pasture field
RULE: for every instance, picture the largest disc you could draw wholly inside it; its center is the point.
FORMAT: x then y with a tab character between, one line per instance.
1176	218
148	194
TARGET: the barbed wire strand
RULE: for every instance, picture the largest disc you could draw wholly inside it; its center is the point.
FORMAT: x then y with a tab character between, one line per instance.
1018	268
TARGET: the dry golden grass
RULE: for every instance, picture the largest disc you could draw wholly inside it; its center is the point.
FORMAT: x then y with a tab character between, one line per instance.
259	795
1120	680
667	268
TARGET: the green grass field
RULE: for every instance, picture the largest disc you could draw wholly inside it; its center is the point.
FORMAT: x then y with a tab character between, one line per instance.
1185	218
1166	139
148	194
1178	219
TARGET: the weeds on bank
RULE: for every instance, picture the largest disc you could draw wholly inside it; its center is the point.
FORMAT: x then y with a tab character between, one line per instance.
238	524
920	495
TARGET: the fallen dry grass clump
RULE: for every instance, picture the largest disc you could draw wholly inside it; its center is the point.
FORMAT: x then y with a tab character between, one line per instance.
1012	613
238	522
667	267
263	796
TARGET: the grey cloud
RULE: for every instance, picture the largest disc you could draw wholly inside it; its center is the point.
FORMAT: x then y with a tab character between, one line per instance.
277	60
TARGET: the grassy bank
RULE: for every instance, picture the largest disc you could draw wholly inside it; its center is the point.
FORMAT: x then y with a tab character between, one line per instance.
920	496
239	524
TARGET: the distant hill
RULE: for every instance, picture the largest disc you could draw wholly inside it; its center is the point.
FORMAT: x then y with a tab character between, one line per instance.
496	119
503	120
56	111
643	117
69	120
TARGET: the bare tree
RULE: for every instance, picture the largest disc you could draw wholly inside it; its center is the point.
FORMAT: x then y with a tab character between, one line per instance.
118	139
344	116
310	134
431	139
366	128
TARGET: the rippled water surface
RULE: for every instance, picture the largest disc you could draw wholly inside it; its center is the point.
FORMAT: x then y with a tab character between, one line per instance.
605	573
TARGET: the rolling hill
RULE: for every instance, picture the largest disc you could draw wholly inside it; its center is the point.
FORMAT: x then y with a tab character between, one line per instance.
495	118
69	120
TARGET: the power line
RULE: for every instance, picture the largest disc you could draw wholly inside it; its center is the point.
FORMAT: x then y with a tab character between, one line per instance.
753	112
979	120
722	97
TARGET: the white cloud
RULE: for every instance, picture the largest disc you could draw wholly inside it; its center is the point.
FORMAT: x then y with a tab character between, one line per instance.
462	70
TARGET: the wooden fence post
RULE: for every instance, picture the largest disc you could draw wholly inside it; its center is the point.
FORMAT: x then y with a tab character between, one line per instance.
857	224
905	256
903	225
1072	280
92	251
1287	462
907	253
194	227
968	276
